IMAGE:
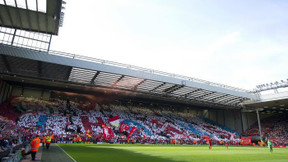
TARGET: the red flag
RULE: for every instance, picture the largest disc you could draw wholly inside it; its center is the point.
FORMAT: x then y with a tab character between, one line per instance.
123	127
131	132
111	133
155	121
246	140
104	131
107	132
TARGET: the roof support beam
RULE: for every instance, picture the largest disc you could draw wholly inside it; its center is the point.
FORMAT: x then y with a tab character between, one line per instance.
68	74
158	87
229	100
13	38
118	80
202	96
173	88
234	100
224	99
136	86
94	77
189	93
218	97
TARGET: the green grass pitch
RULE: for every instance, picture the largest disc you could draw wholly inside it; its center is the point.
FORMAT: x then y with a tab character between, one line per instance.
169	153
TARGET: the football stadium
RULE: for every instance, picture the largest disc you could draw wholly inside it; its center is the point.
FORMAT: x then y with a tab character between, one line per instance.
62	106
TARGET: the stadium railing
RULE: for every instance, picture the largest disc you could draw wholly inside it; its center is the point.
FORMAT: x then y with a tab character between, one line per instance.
17	156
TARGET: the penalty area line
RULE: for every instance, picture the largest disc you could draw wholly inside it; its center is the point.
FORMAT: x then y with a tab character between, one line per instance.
67	153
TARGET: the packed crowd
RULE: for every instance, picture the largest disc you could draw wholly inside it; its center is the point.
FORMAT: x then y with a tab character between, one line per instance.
274	128
12	136
139	124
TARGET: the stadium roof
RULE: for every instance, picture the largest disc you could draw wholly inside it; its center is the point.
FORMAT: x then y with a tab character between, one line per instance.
36	15
268	107
76	69
269	103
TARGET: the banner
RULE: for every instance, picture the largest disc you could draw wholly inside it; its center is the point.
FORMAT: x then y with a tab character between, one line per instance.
245	140
131	132
232	136
107	132
123	127
155	121
207	138
143	133
114	121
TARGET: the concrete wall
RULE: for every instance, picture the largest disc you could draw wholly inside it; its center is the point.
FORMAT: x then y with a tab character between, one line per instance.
5	91
17	91
234	119
31	92
220	118
229	118
248	119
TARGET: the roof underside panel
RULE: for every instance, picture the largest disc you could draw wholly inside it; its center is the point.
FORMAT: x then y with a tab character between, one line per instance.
160	89
23	66
225	99
128	82
57	72
198	94
81	75
148	85
183	91
106	79
214	96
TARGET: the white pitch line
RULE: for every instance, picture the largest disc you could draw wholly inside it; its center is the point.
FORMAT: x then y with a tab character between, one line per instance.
67	154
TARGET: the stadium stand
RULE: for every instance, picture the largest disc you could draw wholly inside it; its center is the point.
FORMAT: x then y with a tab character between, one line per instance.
158	126
274	128
12	137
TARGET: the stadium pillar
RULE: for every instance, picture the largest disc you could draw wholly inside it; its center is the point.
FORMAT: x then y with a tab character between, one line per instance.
259	124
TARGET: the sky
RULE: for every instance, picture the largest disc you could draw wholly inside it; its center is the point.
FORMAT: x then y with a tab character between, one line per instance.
240	43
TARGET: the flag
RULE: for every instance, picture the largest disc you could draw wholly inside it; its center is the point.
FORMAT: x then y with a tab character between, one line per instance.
232	136
143	133
88	134
123	127
114	121
207	138
131	132
107	132
155	121
246	140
